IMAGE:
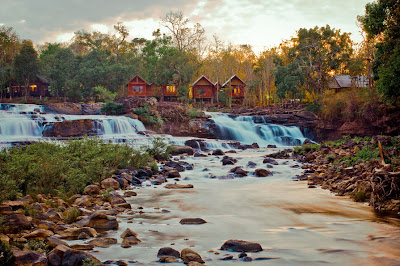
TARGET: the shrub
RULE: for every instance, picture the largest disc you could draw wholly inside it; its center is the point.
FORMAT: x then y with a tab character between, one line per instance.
147	116
99	93
70	215
194	113
113	108
63	168
158	147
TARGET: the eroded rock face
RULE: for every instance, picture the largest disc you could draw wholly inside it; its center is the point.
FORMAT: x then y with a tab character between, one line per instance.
75	128
241	246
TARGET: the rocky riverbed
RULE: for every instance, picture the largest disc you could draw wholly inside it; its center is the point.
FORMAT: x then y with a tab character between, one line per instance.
231	207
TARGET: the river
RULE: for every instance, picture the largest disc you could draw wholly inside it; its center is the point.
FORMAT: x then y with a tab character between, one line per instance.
295	225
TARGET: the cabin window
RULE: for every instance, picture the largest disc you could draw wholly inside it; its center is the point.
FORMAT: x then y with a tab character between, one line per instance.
137	88
171	89
236	90
33	87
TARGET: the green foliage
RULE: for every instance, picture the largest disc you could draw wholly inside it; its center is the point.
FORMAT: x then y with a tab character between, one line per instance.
99	93
70	215
53	168
315	107
194	113
147	116
26	64
38	245
89	262
158	147
288	79
330	158
113	108
6	256
301	150
360	196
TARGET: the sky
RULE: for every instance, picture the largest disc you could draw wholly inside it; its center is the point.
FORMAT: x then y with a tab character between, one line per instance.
260	23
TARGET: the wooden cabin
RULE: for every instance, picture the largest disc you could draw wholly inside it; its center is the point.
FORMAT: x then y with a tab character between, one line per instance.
38	88
204	90
169	92
237	86
137	86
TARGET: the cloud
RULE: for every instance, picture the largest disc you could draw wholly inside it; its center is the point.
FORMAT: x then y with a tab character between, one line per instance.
46	18
256	22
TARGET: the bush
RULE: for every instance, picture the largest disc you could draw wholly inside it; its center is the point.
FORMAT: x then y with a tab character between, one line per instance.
63	168
301	150
147	116
158	147
99	93
113	108
71	215
194	113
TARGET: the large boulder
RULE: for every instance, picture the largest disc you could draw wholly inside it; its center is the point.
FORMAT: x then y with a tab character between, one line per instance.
74	233
241	246
262	172
92	190
188	255
110	183
182	149
72	128
167	251
99	220
39	234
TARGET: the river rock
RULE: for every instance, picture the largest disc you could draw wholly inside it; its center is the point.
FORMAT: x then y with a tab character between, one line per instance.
262	172
92	190
83	201
180	149
192	221
199	154
196	144
188	255
115	198
131	240
54	260
180	165
167	259
170	172
54	241
16	222
228	161
127	233
167	251
99	220
251	164
23	258
270	161
130	193
73	233
39	234
110	183
239	171
178	186
218	152
102	242
241	246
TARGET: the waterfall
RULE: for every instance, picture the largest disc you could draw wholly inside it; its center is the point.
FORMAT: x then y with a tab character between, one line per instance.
246	131
25	122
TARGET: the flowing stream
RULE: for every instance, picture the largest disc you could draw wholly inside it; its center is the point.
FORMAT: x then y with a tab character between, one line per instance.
245	130
294	225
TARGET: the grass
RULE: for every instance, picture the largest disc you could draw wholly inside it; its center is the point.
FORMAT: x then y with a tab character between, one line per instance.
301	150
71	215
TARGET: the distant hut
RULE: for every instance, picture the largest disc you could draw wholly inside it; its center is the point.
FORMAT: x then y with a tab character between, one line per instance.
137	86
39	87
343	82
204	90
238	87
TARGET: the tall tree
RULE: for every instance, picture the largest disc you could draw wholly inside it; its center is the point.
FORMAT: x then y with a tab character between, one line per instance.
321	51
382	23
184	36
26	65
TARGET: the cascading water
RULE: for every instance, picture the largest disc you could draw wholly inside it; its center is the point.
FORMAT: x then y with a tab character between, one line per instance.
26	122
245	130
